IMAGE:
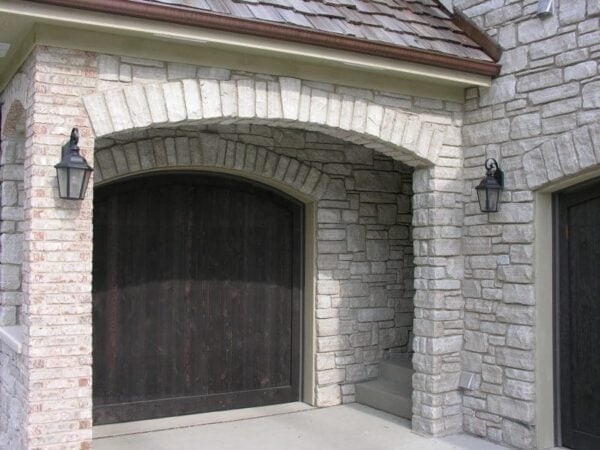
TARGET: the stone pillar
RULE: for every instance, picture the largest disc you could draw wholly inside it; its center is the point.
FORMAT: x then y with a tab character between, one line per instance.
438	325
57	259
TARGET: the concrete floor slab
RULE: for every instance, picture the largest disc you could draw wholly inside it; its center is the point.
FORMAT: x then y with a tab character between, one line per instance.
347	427
193	420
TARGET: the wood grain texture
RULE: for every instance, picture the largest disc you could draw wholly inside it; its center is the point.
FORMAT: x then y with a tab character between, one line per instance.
197	297
579	317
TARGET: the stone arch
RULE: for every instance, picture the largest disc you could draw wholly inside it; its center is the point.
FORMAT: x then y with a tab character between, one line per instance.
568	155
402	135
207	151
347	212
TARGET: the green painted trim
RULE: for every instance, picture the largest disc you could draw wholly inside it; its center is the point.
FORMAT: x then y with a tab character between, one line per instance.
544	312
17	59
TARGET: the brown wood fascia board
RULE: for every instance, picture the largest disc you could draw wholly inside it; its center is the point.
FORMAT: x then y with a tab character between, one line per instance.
186	16
472	31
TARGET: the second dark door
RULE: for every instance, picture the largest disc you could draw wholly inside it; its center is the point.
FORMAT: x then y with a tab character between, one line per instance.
579	317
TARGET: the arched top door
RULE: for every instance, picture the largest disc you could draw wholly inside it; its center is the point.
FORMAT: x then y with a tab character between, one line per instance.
196	296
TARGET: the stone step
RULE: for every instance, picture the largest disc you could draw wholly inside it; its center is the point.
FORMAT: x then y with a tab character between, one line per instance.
389	396
399	370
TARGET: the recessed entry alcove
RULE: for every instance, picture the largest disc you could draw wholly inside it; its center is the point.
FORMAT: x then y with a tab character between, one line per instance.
244	265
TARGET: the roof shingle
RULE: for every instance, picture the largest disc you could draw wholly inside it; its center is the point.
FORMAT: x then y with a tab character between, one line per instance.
416	24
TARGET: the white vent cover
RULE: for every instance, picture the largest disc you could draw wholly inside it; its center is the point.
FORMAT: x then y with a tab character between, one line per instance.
545	8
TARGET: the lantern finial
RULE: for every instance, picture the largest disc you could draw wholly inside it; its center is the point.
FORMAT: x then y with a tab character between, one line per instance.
74	142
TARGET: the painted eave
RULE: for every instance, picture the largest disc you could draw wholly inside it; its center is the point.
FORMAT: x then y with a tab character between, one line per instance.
100	32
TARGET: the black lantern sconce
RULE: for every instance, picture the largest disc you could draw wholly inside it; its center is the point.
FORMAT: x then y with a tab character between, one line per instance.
488	191
73	170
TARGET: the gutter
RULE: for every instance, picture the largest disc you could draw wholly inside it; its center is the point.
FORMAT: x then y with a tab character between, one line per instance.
213	21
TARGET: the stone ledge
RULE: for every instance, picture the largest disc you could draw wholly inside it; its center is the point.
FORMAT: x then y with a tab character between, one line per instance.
13	337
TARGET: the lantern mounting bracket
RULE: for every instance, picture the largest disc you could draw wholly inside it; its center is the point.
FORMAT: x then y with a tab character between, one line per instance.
73	144
493	170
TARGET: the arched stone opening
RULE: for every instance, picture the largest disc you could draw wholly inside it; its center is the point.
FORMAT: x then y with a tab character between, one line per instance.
286	102
403	139
359	264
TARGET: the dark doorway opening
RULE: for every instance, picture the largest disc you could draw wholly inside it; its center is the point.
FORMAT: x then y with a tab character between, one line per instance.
197	296
578	316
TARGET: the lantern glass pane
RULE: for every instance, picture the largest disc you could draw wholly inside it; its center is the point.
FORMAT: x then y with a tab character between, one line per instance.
493	197
62	174
488	199
86	180
76	181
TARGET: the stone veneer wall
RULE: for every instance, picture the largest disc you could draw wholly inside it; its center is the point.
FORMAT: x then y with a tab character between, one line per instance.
364	309
12	197
422	127
56	285
540	120
13	393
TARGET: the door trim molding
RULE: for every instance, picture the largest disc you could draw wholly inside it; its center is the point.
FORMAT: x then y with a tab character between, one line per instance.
544	309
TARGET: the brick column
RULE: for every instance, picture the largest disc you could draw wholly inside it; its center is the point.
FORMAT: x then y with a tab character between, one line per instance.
438	326
57	259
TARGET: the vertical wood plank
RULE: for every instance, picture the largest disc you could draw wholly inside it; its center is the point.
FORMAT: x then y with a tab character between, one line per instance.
197	296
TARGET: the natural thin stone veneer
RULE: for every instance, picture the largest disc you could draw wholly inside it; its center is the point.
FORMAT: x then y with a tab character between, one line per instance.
130	100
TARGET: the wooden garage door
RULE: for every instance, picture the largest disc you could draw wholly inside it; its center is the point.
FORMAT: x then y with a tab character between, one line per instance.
579	317
196	297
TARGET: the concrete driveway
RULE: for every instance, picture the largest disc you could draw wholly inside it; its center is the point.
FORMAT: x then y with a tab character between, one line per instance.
347	427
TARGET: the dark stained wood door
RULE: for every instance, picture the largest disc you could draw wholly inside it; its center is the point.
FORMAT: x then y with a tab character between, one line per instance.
579	317
196	296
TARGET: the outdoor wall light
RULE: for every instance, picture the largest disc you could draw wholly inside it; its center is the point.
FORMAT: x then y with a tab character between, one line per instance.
73	170
488	191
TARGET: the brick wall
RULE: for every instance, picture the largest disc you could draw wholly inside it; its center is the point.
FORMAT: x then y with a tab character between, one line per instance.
57	259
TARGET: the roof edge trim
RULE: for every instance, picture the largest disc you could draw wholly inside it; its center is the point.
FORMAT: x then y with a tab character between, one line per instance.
225	23
489	46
